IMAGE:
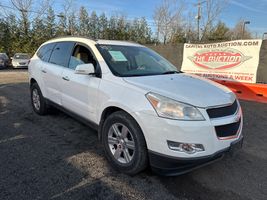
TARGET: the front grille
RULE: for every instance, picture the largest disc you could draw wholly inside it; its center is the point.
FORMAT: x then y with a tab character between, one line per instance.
228	129
223	111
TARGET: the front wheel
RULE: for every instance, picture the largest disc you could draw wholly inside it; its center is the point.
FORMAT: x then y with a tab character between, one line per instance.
124	143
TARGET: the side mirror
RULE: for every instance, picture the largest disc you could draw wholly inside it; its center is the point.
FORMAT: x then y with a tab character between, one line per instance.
11	58
85	69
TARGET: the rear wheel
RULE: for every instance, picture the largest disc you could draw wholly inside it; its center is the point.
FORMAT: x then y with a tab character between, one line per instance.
38	101
124	143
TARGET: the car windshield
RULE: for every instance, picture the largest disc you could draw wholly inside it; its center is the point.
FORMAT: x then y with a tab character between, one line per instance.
21	56
3	55
134	61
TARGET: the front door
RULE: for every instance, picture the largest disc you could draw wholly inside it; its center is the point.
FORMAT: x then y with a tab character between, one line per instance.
79	92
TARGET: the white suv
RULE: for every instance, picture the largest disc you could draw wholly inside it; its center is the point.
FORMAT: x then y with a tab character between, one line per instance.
145	111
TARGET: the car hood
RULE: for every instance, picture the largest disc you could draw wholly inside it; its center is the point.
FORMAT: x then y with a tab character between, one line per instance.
185	88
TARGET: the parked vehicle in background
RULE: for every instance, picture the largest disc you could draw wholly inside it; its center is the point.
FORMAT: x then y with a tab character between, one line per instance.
146	111
4	60
20	60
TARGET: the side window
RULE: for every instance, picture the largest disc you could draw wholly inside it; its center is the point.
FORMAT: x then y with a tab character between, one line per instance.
45	51
81	55
61	53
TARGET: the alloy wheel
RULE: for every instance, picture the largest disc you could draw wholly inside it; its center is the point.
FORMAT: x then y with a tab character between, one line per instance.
121	143
36	99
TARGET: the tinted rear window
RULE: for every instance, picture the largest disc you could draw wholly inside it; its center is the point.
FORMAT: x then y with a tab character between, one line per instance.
61	53
45	51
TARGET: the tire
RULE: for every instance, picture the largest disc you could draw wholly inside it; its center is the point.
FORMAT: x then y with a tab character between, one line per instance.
124	143
38	101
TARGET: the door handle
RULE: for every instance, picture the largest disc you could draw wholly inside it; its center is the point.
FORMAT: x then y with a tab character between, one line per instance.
43	71
65	78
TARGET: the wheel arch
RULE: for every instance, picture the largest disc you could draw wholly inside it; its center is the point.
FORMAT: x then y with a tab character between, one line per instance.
105	113
108	111
32	81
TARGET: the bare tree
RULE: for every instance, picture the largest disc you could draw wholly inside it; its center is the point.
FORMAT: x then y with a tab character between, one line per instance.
238	31
168	18
68	17
5	11
24	7
210	14
191	33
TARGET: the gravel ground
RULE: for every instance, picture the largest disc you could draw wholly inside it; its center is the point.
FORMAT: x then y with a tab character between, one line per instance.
56	157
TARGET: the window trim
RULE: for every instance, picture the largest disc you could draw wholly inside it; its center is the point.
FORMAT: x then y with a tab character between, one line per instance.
52	43
69	55
97	67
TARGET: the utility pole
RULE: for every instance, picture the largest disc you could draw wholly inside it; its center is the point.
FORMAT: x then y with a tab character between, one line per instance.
198	17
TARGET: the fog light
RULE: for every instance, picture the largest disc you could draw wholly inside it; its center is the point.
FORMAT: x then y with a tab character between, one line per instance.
185	147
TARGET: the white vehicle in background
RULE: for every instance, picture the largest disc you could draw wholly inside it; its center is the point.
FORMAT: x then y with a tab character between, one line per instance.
146	112
20	60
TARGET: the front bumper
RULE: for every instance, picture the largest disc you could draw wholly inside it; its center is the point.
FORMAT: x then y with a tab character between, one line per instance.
3	65
166	160
158	131
19	66
172	166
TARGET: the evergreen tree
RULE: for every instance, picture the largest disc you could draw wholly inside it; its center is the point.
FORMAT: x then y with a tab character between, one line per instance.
61	25
4	36
121	31
219	32
72	24
27	34
112	29
93	26
144	31
83	22
11	34
38	34
50	24
103	26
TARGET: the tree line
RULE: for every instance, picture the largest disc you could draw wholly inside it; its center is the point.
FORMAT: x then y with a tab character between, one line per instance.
25	35
173	23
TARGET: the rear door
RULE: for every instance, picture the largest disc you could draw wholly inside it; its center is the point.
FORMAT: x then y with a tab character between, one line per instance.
41	64
80	92
52	70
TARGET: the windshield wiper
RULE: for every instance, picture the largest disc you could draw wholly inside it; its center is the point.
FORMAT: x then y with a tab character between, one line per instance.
172	72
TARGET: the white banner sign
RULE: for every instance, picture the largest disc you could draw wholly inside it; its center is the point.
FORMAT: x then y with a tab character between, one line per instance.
232	61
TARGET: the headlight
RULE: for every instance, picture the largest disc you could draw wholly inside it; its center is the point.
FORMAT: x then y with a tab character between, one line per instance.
168	108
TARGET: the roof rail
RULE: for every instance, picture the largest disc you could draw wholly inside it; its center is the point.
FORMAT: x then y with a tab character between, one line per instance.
129	41
72	36
85	37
